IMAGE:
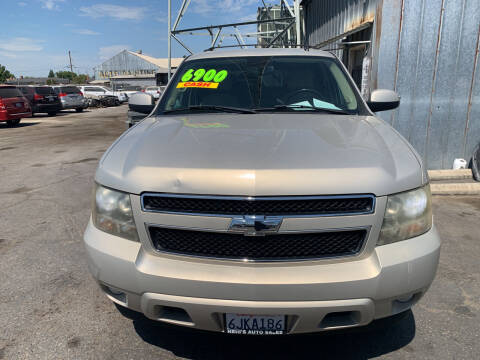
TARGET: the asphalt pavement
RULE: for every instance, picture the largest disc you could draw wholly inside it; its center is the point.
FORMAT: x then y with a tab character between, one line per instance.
51	308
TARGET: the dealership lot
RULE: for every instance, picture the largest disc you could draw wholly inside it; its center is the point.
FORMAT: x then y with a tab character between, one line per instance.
51	308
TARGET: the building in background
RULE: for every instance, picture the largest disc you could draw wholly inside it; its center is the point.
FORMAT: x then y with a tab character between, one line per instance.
426	50
267	31
37	81
133	69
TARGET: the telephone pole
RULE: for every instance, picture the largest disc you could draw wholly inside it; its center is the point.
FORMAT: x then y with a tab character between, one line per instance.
70	57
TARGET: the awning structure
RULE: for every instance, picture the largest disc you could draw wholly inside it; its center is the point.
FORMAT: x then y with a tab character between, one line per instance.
343	35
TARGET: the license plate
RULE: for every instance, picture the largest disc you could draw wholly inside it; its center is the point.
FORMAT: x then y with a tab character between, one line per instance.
254	324
18	105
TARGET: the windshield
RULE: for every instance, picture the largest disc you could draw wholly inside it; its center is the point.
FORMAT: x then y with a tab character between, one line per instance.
261	83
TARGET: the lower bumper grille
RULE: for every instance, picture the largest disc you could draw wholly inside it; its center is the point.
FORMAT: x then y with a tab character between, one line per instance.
274	247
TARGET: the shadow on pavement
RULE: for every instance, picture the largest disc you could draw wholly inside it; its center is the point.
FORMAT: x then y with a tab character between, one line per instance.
3	125
45	115
379	338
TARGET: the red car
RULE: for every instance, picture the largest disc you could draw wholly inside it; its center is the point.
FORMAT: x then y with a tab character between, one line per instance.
13	105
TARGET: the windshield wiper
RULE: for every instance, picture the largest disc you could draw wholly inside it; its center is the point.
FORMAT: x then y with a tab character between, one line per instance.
309	107
212	107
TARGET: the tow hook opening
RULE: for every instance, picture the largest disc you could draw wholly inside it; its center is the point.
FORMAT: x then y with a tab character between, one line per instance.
173	315
340	319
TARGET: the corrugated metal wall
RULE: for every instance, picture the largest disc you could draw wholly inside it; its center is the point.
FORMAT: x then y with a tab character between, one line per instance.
427	50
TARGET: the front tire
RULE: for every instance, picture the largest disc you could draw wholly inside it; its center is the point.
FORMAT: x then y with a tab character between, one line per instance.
13	122
79	110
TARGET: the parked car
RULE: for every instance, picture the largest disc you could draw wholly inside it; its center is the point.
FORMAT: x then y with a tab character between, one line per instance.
42	99
13	105
71	97
263	196
103	91
129	89
155	91
102	100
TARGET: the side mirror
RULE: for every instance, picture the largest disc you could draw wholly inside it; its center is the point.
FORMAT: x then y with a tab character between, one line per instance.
141	102
382	99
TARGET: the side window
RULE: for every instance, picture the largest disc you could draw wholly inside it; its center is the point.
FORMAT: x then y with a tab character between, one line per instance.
89	89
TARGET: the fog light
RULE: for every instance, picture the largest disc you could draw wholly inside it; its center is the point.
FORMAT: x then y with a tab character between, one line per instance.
114	291
405	298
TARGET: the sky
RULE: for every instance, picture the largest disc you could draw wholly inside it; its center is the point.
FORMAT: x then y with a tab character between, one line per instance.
36	35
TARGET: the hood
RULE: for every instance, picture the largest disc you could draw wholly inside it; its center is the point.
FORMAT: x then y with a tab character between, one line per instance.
261	154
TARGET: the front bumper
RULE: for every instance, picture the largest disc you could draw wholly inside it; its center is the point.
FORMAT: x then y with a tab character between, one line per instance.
41	108
197	293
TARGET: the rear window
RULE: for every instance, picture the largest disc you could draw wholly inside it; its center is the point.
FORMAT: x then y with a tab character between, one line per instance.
25	90
44	90
70	89
10	92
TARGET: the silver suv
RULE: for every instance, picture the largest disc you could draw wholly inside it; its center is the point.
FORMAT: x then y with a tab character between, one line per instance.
263	196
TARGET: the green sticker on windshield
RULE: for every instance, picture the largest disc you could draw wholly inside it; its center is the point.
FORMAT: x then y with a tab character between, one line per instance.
201	78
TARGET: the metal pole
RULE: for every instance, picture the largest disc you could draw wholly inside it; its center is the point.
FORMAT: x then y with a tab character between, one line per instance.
70	57
183	8
231	25
169	39
215	38
296	6
181	43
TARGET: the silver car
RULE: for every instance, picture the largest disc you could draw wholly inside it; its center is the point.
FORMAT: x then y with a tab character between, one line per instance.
71	97
155	91
263	196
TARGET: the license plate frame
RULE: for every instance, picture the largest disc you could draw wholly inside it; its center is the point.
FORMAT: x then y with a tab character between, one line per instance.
253	324
19	105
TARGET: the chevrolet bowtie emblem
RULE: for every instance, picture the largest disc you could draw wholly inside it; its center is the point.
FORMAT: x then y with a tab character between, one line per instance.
255	225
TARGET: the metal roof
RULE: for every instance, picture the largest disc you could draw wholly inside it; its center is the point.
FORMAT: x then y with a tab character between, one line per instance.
160	62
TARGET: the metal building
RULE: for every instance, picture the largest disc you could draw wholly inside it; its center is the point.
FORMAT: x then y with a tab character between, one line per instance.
129	68
426	50
268	30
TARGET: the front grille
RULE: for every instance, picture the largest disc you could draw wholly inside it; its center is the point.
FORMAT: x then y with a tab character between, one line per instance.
285	206
262	248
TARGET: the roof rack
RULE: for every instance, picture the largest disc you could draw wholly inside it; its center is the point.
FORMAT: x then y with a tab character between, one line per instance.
304	46
282	27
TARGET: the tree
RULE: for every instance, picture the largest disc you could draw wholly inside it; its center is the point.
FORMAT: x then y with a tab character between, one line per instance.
80	79
50	81
73	77
51	74
66	75
4	74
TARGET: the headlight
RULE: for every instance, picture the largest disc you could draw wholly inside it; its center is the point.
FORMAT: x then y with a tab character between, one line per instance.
407	215
112	213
